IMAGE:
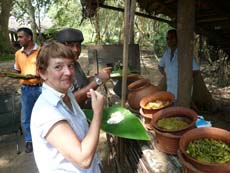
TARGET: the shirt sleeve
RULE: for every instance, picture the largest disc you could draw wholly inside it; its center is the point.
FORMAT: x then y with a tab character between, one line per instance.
46	122
162	61
16	64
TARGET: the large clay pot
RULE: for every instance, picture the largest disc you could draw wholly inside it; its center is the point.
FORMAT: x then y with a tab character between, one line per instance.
205	132
168	140
139	89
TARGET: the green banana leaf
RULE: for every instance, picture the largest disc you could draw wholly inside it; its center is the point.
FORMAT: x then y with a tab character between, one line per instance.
130	127
118	72
18	75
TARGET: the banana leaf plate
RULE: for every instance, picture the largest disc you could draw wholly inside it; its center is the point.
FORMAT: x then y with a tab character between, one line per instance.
130	127
118	73
18	75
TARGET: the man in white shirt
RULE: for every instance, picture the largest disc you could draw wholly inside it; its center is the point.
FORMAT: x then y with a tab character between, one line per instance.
168	65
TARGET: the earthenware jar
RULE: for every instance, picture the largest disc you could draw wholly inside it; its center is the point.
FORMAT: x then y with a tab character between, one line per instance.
208	133
168	140
137	90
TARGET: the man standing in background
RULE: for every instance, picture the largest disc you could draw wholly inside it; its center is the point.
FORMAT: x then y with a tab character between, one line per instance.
168	65
25	63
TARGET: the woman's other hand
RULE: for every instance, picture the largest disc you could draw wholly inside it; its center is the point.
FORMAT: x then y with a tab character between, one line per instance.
98	101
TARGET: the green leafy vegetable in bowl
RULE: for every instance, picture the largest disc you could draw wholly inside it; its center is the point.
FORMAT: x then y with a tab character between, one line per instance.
209	151
172	123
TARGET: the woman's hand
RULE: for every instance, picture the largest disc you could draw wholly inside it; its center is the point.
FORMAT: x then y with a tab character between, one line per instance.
98	101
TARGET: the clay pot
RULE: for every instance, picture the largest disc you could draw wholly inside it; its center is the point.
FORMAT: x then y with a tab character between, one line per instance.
137	90
188	168
159	95
183	113
168	140
205	132
147	119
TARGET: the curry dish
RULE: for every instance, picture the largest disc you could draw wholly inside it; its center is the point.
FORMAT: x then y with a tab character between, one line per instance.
157	104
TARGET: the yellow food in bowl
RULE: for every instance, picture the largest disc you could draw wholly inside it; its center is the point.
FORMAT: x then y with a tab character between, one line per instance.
157	104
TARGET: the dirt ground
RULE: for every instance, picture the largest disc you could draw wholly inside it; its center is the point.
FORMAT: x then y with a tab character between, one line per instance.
10	162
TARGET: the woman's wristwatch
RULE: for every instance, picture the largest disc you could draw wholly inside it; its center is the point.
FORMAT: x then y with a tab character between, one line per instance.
97	80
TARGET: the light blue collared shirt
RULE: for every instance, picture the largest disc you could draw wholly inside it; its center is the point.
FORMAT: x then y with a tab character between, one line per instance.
171	70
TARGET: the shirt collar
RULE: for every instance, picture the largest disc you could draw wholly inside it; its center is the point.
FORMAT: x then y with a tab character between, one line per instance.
34	48
52	93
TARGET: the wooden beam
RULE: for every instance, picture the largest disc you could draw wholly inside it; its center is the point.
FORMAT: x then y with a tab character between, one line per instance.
213	19
170	22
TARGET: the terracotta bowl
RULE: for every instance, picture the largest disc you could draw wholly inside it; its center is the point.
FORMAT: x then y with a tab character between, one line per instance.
168	140
147	119
205	132
159	95
182	113
188	168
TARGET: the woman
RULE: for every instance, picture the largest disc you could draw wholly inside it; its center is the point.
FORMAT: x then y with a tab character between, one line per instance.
62	140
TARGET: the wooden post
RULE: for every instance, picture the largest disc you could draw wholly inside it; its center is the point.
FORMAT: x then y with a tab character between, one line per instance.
131	21
120	141
128	30
185	36
125	52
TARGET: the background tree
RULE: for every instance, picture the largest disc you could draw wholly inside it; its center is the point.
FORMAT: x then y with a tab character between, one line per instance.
32	12
5	8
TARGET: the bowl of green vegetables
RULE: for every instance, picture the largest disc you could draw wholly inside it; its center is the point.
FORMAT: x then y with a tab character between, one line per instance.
207	149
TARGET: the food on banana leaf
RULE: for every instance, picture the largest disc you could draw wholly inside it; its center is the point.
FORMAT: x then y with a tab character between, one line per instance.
209	151
157	104
130	127
118	73
172	123
18	75
115	118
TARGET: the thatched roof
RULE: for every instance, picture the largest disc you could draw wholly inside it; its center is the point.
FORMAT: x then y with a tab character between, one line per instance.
14	24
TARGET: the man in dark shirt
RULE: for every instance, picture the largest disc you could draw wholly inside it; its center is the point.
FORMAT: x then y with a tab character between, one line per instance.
73	38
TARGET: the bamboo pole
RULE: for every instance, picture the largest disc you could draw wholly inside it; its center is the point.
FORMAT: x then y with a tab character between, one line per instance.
125	52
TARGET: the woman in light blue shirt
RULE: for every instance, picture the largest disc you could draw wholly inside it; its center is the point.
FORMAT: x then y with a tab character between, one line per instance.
62	140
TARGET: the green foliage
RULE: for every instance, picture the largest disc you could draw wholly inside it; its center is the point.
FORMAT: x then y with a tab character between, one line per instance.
6	57
151	34
148	33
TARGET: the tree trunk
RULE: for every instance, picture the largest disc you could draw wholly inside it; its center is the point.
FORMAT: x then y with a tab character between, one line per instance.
31	12
201	97
5	45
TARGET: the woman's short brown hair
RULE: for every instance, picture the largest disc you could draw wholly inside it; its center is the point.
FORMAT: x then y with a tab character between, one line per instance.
52	50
